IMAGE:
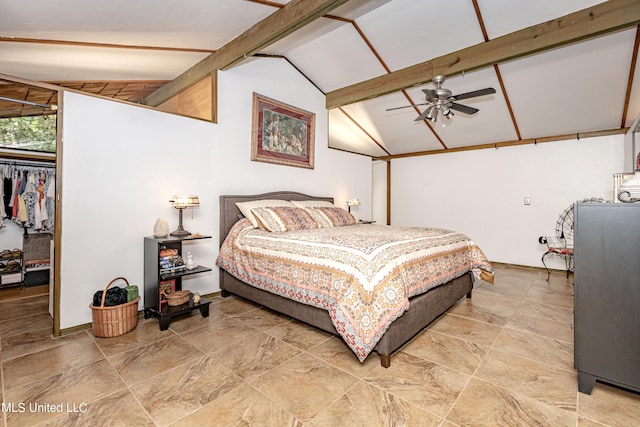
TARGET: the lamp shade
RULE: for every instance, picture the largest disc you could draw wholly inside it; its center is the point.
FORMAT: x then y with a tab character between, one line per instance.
181	202
353	202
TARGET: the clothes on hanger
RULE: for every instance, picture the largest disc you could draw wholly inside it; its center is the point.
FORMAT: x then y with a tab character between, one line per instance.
3	212
6	192
51	200
31	188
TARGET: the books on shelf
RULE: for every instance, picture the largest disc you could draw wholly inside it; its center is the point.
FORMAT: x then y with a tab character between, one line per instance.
170	261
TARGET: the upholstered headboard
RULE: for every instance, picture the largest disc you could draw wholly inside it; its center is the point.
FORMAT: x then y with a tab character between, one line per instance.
229	212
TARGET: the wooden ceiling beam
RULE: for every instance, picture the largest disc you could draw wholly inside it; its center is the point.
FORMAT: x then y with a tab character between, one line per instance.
293	16
5	39
603	18
578	136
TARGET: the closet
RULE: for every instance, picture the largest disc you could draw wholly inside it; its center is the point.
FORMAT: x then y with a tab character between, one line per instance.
27	203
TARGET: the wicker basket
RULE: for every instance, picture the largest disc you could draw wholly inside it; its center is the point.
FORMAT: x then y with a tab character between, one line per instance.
178	298
117	320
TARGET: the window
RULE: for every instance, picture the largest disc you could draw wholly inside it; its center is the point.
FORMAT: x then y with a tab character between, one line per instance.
35	133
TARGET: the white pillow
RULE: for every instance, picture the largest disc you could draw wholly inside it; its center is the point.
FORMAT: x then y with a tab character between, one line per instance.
245	207
313	204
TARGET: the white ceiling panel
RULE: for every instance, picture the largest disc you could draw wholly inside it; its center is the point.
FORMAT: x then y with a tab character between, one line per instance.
354	9
405	32
344	134
67	63
572	89
303	36
506	16
336	59
350	11
634	101
195	24
395	130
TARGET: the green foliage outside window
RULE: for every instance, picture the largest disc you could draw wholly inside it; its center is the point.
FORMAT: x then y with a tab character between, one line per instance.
36	133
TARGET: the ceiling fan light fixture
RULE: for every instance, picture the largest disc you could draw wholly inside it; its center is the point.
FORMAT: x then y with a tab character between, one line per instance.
429	115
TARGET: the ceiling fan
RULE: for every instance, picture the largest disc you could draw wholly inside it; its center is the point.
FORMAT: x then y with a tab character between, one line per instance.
441	100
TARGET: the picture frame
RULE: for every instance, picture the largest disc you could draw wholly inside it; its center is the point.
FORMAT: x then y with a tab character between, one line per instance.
281	133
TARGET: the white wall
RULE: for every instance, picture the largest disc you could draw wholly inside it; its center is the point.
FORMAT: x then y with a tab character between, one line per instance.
122	163
481	193
379	198
11	235
632	147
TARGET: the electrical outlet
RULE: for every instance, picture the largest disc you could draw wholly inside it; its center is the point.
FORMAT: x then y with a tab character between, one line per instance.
527	201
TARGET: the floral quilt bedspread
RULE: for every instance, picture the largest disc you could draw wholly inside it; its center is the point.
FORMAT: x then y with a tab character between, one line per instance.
363	275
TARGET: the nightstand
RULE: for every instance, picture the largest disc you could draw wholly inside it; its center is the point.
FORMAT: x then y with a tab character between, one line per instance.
365	221
157	277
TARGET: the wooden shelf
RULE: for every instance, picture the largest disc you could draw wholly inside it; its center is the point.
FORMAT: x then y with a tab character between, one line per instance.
153	276
198	269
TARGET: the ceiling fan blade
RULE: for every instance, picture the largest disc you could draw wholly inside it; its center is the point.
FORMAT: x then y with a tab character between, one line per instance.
463	108
423	115
481	92
431	94
406	106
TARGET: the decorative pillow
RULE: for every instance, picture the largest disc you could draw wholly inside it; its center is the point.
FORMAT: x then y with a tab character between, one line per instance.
284	218
320	218
336	216
246	207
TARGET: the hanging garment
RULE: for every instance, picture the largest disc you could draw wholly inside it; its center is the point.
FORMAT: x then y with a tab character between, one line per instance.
7	184
23	182
14	183
41	207
14	197
3	213
51	201
51	186
22	209
30	197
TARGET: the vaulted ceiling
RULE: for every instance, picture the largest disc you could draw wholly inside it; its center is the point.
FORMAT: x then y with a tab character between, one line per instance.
556	71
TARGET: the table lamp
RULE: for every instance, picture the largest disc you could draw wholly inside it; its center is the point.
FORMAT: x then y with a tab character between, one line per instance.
181	203
352	202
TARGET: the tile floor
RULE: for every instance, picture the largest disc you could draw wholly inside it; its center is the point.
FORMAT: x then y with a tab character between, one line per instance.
504	358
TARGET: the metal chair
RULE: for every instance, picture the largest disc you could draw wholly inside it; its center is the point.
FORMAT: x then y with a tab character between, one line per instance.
562	243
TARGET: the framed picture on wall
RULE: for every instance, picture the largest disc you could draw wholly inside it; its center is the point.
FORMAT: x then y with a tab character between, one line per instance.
281	133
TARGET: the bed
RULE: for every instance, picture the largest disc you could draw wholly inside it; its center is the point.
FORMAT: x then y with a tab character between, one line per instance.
393	330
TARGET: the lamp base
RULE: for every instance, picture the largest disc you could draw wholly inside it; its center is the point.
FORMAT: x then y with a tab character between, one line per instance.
180	232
